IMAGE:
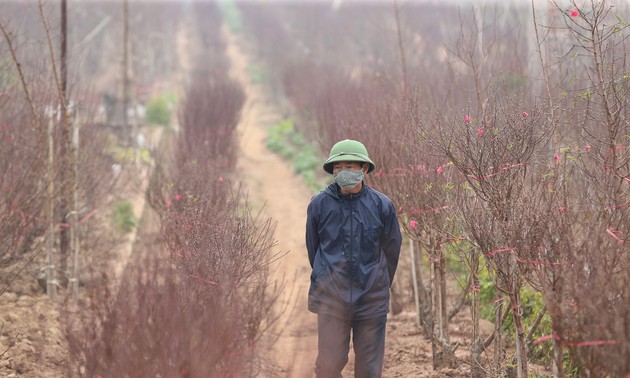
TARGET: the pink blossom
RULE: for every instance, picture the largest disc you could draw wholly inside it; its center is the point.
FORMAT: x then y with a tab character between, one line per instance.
479	132
556	157
467	119
220	178
574	13
525	115
587	148
178	197
439	170
412	224
10	139
168	204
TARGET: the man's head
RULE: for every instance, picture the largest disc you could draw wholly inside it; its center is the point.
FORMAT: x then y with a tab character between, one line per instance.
346	153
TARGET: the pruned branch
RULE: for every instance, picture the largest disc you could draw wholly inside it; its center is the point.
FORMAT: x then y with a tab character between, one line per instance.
18	67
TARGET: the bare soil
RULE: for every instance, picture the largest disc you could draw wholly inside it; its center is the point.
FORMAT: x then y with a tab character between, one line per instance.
272	185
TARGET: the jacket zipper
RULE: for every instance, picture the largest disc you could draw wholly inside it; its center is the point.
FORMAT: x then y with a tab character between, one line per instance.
351	248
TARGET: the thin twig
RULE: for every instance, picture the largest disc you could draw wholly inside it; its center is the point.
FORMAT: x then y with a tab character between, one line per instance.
10	344
534	327
18	67
462	299
5	287
53	61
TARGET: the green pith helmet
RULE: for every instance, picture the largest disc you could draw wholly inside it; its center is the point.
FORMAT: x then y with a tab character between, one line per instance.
348	150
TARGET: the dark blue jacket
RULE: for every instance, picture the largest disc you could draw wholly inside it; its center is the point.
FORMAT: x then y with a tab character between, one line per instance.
353	244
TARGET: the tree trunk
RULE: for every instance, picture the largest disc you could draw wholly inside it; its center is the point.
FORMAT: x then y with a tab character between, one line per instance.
51	282
74	230
447	352
415	283
557	363
396	300
521	346
498	342
125	75
436	355
424	298
476	370
64	149
441	286
440	311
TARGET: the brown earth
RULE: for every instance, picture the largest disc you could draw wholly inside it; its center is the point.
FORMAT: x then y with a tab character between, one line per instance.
273	186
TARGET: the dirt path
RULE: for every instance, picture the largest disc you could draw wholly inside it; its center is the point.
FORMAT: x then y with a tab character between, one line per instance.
271	183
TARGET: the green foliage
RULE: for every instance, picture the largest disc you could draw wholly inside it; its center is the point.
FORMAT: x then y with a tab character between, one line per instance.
122	217
586	95
487	292
531	306
289	143
144	156
256	75
278	139
531	300
122	154
128	154
159	110
231	15
454	253
170	98
306	160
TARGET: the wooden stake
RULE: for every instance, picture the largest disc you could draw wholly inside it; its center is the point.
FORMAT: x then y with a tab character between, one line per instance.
415	280
51	282
74	230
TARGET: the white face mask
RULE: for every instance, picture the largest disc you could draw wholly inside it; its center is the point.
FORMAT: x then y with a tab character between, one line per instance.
348	179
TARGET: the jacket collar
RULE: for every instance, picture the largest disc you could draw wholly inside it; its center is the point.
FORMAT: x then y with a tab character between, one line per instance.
333	190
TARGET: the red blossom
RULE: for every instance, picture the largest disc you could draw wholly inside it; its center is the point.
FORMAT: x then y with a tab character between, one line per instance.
574	13
412	224
479	132
587	148
178	197
168	204
556	157
525	115
439	170
467	119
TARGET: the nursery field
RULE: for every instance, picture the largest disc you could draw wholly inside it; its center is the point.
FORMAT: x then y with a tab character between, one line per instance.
157	160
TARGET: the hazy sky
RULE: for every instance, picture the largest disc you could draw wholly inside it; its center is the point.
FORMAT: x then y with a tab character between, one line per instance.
561	3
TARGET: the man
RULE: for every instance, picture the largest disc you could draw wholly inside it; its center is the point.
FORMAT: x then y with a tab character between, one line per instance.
353	241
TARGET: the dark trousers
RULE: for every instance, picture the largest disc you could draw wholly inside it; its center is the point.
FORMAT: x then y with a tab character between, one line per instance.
333	344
